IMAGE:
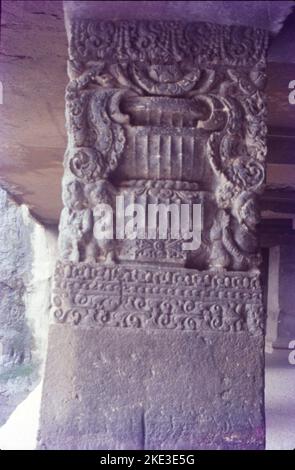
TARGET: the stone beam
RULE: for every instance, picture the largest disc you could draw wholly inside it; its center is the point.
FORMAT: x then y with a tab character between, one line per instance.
267	15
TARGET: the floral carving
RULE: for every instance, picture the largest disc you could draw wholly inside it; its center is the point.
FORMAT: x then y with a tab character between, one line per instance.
138	297
166	42
236	154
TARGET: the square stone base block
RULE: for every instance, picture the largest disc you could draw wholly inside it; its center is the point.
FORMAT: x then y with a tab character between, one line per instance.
119	388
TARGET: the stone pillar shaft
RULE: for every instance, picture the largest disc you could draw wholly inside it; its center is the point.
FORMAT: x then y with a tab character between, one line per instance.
153	346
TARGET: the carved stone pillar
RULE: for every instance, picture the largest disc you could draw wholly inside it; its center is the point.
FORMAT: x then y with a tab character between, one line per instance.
152	346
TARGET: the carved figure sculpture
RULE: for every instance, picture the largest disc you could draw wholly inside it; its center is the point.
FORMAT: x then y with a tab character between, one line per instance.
76	222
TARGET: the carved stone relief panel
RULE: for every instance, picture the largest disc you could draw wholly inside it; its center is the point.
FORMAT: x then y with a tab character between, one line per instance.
181	104
173	298
162	347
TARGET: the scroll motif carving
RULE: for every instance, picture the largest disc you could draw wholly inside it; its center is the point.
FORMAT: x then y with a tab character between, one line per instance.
98	137
236	155
137	297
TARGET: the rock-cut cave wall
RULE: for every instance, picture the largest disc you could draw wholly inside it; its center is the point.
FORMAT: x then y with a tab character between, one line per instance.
27	253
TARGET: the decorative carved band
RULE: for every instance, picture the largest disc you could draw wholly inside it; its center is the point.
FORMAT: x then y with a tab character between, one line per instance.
167	42
137	296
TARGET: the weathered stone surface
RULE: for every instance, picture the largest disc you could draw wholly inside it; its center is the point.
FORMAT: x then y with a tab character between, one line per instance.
16	371
33	77
16	260
25	281
113	388
267	15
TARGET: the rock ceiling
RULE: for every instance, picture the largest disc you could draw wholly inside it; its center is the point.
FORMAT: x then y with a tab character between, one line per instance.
32	125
